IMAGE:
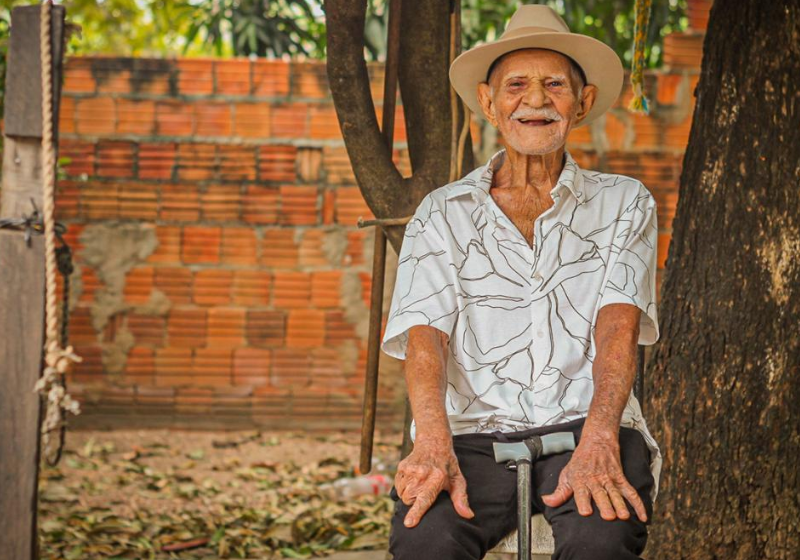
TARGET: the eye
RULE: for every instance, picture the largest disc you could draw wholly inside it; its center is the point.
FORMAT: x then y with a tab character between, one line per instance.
555	82
514	84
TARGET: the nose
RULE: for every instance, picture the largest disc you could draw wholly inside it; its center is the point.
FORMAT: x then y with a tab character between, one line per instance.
535	95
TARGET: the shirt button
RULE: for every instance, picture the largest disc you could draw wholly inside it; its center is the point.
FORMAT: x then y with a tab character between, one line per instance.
537	276
540	333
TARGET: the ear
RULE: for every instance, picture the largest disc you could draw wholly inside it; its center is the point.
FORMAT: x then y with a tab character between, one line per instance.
588	97
487	105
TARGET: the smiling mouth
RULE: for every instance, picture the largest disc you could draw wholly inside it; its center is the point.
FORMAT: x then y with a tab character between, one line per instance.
534	122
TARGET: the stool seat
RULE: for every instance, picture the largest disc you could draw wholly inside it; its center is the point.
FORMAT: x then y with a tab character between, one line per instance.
541	539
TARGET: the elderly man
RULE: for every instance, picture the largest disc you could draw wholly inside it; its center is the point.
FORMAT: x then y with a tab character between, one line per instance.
522	291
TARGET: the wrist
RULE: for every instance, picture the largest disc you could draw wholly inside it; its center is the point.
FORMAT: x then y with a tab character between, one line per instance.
600	434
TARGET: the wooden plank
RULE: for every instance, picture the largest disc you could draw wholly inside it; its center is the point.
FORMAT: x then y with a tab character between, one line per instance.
23	97
21	342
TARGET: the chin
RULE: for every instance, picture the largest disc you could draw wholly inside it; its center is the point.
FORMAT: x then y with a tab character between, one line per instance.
536	147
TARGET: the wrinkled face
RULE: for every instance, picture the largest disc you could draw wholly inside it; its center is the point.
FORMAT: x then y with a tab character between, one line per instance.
534	100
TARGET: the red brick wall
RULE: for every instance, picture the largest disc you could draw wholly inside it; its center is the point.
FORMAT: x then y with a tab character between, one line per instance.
252	305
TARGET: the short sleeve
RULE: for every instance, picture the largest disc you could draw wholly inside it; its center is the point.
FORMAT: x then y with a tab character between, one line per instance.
424	290
633	274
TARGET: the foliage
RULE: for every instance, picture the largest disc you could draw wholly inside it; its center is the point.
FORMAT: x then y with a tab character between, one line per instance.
277	28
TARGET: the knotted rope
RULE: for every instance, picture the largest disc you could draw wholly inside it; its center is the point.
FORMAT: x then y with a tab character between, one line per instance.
58	361
639	102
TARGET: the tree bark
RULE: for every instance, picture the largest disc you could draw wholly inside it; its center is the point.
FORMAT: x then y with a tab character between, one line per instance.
425	92
724	379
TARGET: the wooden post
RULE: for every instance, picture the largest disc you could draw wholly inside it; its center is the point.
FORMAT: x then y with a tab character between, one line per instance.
22	281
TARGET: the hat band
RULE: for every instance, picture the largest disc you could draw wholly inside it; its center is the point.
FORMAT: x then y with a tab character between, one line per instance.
528	31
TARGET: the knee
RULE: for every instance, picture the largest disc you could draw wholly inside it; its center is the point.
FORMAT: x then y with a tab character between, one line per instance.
602	540
439	534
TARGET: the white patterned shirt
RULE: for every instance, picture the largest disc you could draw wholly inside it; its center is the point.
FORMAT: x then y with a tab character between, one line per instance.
521	320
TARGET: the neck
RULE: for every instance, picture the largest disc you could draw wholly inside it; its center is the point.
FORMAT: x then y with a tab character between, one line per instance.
535	174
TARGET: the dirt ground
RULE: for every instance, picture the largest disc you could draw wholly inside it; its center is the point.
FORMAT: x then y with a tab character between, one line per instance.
198	494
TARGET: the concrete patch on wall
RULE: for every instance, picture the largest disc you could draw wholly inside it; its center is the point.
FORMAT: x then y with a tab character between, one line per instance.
334	246
355	310
112	250
348	356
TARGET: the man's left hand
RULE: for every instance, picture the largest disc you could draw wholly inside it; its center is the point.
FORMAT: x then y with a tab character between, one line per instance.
595	472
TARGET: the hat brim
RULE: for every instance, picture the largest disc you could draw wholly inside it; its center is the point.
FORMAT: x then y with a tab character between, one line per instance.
599	62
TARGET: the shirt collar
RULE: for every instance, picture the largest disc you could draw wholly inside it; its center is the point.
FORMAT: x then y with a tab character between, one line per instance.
479	181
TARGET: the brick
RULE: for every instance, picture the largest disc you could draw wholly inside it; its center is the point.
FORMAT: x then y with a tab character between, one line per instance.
110	76
221	203
174	118
175	283
226	327
239	246
136	116
148	330
305	328
99	200
155	396
196	161
173	366
325	288
251	120
138	201
291	289
195	76
90	369
336	165
140	369
312	248
309	79
169	245
78	76
154	76
648	132
81	330
291	367
260	205
68	199
251	288
677	135
138	285
399	121
237	163
212	367
289	120
338	328
200	245
187	328
354	253
194	396
251	366
279	248
212	287
328	211
115	159
327	370
233	76
366	286
95	115
66	115
266	328
277	163
299	205
80	155
213	118
270	78
323	123
180	203
350	205
157	161
90	283
683	49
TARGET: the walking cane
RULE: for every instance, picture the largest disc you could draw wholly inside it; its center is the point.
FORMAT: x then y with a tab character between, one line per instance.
521	455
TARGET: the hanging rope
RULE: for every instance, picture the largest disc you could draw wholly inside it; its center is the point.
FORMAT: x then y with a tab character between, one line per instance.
639	102
58	360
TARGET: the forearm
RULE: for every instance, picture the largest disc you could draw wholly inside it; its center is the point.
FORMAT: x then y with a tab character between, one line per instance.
614	371
426	380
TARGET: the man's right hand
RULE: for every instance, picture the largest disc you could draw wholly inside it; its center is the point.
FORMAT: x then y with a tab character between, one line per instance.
430	468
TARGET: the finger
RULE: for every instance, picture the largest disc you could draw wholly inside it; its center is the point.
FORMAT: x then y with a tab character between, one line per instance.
560	495
618	501
583	500
414	488
421	505
633	497
400	483
458	494
603	502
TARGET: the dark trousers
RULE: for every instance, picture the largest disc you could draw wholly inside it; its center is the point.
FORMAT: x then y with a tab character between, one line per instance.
444	535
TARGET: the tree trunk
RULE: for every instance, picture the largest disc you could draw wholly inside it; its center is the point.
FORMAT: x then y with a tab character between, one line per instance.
724	379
